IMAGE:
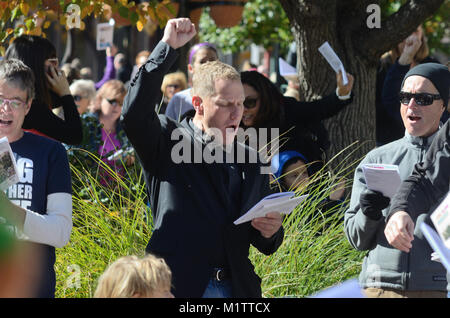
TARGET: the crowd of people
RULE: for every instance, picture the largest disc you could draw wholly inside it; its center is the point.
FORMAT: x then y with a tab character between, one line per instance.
50	113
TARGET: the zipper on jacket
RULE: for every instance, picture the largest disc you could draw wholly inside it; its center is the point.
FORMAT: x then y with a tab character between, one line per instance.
422	152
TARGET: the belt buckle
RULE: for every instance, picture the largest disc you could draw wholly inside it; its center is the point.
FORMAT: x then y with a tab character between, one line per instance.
219	274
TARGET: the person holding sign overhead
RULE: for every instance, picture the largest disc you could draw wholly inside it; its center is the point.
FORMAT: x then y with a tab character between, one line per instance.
194	204
387	271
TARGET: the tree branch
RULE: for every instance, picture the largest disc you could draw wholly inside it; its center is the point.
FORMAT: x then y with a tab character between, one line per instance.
394	29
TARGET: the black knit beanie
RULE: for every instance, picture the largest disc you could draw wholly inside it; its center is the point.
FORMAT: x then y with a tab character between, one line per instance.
437	73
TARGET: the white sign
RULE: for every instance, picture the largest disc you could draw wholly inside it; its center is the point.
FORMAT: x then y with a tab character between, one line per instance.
105	33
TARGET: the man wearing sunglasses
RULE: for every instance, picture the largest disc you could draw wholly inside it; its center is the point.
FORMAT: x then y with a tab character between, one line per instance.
387	271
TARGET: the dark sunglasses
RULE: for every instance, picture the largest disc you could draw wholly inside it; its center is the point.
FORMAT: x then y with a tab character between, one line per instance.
77	98
175	86
250	103
113	102
421	99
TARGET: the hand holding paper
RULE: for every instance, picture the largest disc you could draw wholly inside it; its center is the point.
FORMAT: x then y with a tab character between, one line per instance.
332	59
283	203
382	178
268	225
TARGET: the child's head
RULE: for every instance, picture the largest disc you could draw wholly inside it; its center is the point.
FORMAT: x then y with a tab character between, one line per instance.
130	276
290	169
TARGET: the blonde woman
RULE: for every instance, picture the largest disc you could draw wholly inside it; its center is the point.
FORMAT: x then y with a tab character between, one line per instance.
102	133
134	277
172	84
83	92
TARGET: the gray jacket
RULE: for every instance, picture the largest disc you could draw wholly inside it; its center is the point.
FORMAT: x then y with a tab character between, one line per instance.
384	266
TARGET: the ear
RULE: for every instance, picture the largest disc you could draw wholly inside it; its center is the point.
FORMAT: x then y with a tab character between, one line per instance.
28	106
197	102
190	68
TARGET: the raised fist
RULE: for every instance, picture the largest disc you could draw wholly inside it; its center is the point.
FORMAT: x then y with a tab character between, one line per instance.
178	32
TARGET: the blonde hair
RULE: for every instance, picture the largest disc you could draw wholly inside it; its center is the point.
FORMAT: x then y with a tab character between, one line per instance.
203	81
130	276
83	86
110	88
178	77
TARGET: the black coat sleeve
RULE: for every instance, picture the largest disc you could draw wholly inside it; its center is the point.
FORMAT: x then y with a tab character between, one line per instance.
307	112
139	119
67	130
430	179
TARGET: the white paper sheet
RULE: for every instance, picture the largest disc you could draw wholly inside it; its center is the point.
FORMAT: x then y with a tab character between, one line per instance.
436	244
335	62
105	33
8	168
441	220
383	178
284	202
286	69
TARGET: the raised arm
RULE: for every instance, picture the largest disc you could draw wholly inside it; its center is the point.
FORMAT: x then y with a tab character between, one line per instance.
139	119
323	108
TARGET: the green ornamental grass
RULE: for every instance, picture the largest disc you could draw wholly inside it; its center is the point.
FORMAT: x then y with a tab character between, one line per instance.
114	220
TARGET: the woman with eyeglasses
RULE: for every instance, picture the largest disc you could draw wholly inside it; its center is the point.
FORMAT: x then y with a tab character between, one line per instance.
103	135
52	91
299	123
83	92
172	84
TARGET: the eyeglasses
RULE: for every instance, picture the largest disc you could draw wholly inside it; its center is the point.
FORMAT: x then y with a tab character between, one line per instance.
77	98
175	86
13	103
421	99
114	102
250	103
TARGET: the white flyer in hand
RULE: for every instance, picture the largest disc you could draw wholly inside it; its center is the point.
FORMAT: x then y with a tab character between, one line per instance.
332	59
105	33
8	168
284	203
441	220
436	244
382	178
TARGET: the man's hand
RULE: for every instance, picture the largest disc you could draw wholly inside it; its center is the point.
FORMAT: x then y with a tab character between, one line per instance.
268	225
344	90
399	231
178	32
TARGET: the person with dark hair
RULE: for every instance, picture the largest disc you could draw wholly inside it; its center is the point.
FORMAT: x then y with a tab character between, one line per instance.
386	271
299	122
52	91
38	208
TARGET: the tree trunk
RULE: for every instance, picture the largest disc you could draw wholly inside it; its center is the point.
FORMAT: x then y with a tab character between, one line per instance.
344	25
